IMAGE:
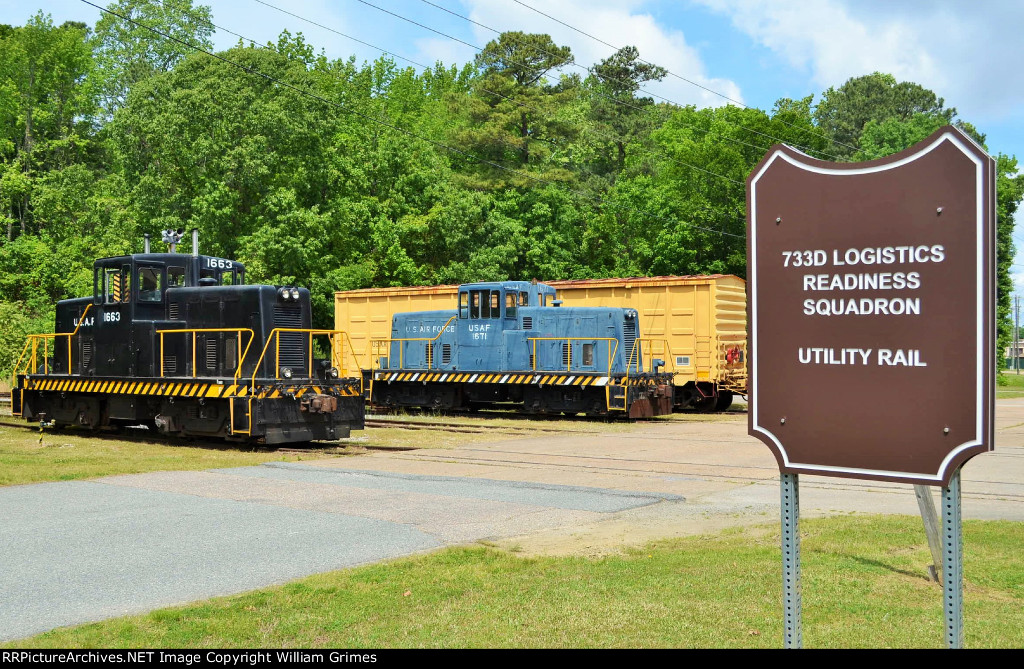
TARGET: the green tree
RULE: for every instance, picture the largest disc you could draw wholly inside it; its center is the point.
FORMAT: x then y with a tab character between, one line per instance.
45	108
127	53
1009	192
620	116
513	118
843	112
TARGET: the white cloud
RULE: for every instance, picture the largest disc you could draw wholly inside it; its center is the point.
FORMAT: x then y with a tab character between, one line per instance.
433	49
620	24
965	52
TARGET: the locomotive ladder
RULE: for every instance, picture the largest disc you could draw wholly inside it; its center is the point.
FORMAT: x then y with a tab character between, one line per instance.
616	397
239	418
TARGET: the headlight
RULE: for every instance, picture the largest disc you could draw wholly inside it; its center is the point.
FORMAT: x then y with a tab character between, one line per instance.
286	372
284	294
295	293
333	373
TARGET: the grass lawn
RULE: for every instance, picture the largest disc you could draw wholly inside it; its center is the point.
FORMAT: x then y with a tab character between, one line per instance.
864	585
67	456
72	454
1010	384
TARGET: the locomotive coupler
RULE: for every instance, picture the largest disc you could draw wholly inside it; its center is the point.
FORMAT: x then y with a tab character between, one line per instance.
319	403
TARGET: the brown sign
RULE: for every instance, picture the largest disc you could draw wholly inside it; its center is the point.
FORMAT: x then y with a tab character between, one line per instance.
871	310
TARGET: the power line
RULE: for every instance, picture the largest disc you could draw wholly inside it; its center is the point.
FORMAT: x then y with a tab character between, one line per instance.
615	100
346	109
694	83
591	71
605	136
505	97
259	45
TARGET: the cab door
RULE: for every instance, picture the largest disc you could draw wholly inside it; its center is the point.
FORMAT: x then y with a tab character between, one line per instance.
113	298
479	348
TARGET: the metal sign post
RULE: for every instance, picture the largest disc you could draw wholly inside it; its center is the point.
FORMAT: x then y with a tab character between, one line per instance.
953	563
931	529
793	636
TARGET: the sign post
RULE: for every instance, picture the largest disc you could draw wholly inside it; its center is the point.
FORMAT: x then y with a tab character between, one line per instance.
872	325
953	560
789	504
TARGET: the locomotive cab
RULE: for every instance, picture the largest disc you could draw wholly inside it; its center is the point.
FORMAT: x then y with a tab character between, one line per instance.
138	283
130	303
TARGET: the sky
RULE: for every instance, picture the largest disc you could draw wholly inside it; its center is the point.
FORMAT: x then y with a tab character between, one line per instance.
751	52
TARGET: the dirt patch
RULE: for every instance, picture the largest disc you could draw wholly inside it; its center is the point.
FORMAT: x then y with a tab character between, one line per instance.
630	530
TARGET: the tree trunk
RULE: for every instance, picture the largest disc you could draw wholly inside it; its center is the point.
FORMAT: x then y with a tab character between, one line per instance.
524	129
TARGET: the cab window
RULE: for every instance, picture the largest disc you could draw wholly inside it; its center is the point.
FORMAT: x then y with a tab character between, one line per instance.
463	305
474	304
510	305
175	277
524	299
117	284
484	298
150	284
495	304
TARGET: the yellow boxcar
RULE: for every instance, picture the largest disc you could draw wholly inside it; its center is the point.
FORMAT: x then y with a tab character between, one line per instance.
696	324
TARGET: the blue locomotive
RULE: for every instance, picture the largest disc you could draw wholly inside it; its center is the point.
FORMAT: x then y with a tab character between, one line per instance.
180	343
512	344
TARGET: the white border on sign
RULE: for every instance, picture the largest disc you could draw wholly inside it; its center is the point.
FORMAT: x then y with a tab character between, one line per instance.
980	399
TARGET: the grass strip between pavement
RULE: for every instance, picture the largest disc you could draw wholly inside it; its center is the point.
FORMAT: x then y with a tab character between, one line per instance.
864	585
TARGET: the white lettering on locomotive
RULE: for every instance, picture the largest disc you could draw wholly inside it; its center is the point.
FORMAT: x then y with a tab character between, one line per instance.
84	323
219	263
111	316
428	329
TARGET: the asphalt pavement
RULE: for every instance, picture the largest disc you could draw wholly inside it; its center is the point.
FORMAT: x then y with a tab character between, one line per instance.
81	551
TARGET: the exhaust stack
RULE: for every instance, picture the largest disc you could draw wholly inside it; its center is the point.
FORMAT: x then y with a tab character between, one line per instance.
145	243
195	241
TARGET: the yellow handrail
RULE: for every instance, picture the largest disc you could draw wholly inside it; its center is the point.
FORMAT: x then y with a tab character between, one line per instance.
341	358
638	342
569	340
375	344
34	340
195	331
275	335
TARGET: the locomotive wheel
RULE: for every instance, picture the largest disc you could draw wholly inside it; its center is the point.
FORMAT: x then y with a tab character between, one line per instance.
706	405
724	401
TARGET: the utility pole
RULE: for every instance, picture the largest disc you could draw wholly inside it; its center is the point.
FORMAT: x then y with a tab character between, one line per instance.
1016	333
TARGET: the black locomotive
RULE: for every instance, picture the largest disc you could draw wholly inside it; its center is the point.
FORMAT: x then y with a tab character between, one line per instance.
180	343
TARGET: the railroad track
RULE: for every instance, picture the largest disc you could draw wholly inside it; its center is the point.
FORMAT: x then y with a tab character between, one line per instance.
1010	491
143	433
455	427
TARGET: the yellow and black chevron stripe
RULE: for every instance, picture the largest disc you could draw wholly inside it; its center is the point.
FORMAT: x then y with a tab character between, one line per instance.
544	379
177	388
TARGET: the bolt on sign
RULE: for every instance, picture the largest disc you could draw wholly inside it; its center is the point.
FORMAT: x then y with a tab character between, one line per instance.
871	310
